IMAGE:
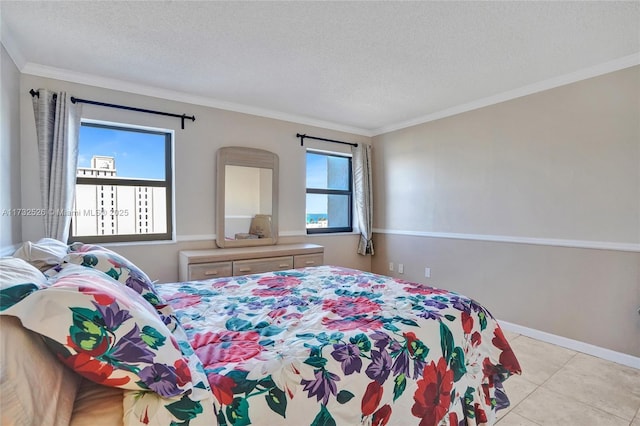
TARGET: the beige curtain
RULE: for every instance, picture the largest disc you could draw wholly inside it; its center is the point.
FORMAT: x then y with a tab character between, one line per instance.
363	195
57	127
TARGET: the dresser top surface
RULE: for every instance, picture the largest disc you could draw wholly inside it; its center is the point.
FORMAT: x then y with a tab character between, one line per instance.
211	255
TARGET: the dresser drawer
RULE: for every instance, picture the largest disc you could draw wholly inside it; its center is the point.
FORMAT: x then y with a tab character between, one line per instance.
205	271
257	266
304	260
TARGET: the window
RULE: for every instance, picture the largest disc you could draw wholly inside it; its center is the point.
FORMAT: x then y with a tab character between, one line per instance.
122	164
329	193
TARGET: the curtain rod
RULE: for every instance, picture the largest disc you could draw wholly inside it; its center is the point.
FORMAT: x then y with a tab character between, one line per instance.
298	135
148	111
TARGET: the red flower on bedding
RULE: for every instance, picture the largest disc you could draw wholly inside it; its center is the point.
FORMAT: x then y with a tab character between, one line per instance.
507	357
279	281
277	285
218	349
350	306
277	313
183	300
99	296
183	373
220	283
95	346
222	388
94	370
467	322
433	396
381	417
371	398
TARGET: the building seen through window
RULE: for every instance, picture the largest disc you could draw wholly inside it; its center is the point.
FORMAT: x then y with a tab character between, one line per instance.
134	205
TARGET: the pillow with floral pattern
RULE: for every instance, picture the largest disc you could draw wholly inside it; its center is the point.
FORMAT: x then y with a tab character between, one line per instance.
113	264
106	332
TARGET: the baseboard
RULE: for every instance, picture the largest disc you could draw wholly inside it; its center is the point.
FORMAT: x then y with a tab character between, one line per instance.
576	345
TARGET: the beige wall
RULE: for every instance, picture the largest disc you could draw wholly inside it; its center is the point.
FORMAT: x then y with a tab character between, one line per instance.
195	149
10	226
563	163
559	166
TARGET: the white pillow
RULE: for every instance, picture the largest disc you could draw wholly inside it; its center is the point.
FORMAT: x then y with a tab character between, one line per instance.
44	253
35	388
14	271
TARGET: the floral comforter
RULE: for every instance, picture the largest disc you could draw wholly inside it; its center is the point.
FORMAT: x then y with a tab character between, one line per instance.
335	346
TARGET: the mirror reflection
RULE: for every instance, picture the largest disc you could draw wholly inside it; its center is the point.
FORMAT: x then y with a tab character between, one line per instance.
248	202
246	197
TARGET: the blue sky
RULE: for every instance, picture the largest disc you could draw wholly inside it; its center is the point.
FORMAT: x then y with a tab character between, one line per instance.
137	155
316	178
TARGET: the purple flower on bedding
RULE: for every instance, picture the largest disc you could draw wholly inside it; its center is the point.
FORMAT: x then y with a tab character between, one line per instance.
380	366
255	305
459	303
137	282
348	356
401	364
418	367
323	386
395	346
161	379
288	301
131	348
435	303
112	315
427	314
381	339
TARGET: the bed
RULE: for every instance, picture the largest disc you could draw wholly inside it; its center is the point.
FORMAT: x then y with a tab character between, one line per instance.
315	346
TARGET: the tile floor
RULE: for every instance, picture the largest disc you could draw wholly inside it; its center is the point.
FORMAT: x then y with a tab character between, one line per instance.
561	387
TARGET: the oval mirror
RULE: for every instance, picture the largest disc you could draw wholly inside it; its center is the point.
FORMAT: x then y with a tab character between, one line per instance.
246	197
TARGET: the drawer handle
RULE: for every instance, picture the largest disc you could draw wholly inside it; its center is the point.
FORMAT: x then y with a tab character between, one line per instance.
283	265
245	269
209	273
310	262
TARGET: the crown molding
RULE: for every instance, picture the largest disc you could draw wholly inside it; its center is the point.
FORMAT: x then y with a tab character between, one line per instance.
172	95
145	90
583	74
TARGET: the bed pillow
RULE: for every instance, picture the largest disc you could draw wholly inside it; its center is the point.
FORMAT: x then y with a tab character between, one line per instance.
17	280
113	264
35	388
105	332
14	271
43	254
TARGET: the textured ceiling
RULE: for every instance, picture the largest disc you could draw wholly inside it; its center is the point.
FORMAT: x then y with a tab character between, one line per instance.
362	65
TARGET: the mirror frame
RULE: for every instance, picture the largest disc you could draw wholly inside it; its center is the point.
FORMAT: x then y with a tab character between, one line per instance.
246	157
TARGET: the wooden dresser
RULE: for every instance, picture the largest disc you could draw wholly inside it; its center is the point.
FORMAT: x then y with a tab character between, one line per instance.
226	262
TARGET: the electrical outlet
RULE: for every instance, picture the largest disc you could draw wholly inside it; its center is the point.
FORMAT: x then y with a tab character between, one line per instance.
427	272
400	268
390	266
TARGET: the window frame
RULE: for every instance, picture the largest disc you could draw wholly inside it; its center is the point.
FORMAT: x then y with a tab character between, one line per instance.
348	193
167	183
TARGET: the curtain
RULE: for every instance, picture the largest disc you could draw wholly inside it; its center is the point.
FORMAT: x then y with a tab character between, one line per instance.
57	128
363	194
